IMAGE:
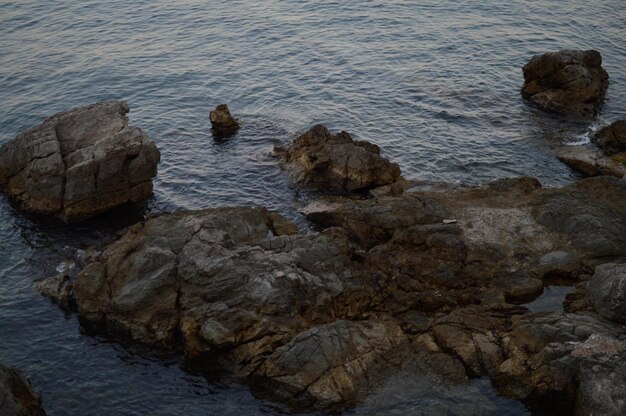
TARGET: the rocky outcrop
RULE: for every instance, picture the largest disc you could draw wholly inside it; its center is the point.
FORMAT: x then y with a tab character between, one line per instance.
612	138
318	320
222	122
591	161
79	163
607	291
324	161
17	396
568	82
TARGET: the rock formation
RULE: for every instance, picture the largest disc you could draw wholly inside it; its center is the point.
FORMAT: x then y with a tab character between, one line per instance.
223	123
79	163
318	320
17	396
567	82
320	160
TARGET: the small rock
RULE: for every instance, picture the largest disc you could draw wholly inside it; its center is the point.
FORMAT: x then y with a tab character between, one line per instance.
567	82
607	291
79	163
224	124
17	396
612	138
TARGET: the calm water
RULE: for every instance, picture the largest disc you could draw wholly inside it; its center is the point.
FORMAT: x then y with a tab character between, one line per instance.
435	83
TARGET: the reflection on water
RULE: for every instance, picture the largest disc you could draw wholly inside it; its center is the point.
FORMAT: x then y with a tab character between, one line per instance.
434	83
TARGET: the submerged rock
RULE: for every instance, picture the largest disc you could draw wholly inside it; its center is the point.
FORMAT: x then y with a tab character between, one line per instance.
607	291
17	396
568	82
612	138
592	161
321	160
223	123
79	163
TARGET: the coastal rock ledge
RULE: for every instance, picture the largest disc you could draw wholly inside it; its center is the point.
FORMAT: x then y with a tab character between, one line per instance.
568	82
17	396
431	279
79	163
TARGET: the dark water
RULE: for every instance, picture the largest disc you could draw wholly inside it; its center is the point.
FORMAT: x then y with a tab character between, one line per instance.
435	83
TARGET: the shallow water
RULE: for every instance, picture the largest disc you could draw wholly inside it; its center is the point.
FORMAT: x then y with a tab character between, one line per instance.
435	84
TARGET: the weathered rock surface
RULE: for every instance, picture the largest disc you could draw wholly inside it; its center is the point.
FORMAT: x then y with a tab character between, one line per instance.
321	160
607	291
319	320
223	123
592	161
17	396
79	163
568	82
612	138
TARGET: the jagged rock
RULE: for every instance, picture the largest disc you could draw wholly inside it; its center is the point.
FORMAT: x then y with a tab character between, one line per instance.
79	163
612	138
321	160
223	123
607	291
328	364
17	396
592	161
568	82
558	356
318	320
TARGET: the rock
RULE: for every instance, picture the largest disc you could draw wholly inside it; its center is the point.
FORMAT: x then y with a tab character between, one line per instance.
607	291
325	365
321	160
564	357
223	123
79	163
568	82
612	138
592	161
17	396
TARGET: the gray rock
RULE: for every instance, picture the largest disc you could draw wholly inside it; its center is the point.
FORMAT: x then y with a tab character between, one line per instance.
601	390
321	160
592	161
79	163
612	138
607	291
17	396
567	82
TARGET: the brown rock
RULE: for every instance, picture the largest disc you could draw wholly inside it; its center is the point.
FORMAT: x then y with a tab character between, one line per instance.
17	396
612	138
321	160
223	123
567	82
591	161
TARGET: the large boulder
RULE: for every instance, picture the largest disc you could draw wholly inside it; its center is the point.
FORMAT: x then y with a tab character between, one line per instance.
607	291
79	163
569	82
324	161
17	396
612	138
